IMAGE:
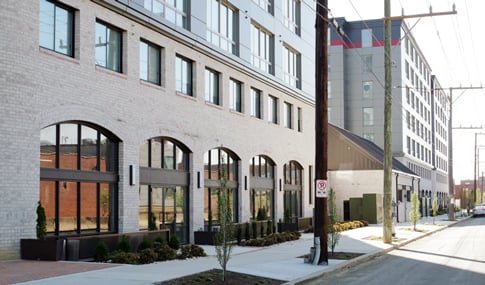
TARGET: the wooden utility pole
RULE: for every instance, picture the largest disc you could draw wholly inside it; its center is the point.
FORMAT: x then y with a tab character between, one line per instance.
387	200
321	126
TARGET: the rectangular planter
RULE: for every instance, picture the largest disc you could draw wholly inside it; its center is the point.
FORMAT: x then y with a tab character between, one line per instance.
48	249
203	237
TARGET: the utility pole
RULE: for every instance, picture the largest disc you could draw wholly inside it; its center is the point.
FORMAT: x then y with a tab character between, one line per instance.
387	199
321	127
451	182
387	202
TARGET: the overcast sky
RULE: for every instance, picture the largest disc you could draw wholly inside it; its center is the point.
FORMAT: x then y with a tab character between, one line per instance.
453	46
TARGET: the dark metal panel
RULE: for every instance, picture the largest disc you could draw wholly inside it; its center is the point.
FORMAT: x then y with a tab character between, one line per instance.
261	183
158	176
77	175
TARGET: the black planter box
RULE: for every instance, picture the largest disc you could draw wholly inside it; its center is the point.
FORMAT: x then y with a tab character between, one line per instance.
48	249
287	227
203	237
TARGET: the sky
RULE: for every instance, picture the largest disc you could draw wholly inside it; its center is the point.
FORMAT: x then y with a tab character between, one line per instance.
452	46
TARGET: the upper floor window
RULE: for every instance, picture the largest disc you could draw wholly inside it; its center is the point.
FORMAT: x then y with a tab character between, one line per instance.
368	116
272	109
108	46
235	92
291	15
291	67
183	75
56	27
174	11
300	119
367	90
256	103
266	5
367	63
366	37
150	62
262	49
288	115
211	86
222	25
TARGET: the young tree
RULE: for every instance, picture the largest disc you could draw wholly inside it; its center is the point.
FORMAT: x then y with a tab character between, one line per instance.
414	215
435	207
223	239
333	231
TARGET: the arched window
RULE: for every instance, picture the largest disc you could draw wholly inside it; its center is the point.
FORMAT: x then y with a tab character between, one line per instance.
79	179
164	184
292	198
262	171
219	164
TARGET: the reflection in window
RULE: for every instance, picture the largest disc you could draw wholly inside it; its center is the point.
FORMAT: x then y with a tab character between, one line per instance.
183	75
108	47
291	67
235	94
85	202
150	62
288	115
255	103
219	164
262	184
211	86
222	25
262	49
368	113
292	198
174	11
291	15
272	109
56	27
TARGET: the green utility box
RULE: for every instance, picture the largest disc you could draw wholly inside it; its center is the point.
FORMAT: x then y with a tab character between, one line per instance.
372	208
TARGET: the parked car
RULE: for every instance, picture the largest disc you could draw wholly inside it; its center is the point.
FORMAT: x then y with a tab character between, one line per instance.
478	210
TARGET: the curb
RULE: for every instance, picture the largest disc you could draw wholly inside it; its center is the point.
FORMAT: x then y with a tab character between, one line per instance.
364	258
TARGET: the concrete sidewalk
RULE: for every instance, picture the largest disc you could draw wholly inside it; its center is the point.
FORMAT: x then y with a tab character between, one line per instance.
282	261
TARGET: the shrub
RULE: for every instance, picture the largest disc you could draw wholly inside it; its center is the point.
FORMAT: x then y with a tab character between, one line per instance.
190	251
123	257
247	231
41	227
239	233
164	252
124	244
147	255
160	239
254	226
174	242
101	252
144	245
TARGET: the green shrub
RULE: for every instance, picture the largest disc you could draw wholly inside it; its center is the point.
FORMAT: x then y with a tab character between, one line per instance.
174	242
123	257
164	252
101	252
254	226
239	233
41	227
247	231
160	239
144	245
124	244
147	255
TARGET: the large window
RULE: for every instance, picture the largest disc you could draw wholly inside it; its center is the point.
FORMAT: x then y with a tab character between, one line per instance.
220	166
367	89
235	95
291	67
150	62
164	180
56	27
292	199
261	169
366	63
174	11
211	86
222	27
262	49
272	109
368	113
300	118
266	5
366	35
183	75
288	115
256	103
291	15
108	46
79	179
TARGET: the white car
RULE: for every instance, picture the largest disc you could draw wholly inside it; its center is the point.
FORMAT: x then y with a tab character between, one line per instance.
479	210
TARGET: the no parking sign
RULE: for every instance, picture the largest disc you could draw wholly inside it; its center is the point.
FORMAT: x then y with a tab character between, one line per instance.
321	188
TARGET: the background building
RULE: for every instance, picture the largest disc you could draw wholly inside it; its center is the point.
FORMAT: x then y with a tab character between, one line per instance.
420	108
114	111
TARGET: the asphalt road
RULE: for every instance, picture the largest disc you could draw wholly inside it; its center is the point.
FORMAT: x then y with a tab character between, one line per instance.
455	255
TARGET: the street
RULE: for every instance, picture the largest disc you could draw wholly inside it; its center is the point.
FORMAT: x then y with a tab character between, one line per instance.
455	255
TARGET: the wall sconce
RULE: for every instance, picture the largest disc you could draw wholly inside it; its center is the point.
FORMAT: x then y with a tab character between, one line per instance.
198	179
280	184
245	182
132	174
